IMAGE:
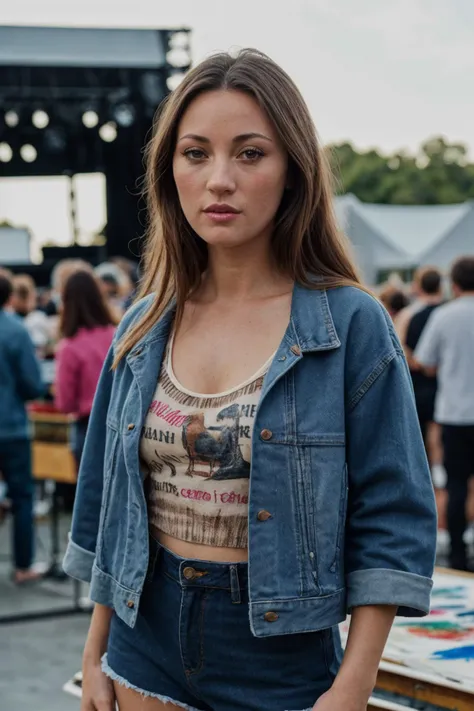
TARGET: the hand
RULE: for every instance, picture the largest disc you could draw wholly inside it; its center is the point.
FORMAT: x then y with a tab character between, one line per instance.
97	689
340	700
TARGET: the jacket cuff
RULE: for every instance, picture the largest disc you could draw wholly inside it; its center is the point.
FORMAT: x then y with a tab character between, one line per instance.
78	562
381	586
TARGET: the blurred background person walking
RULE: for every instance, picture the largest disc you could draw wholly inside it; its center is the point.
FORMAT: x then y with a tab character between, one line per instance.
446	348
20	381
86	329
24	303
429	298
394	298
116	286
416	302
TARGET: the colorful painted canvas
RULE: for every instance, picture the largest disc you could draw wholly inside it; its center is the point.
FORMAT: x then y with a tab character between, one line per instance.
443	642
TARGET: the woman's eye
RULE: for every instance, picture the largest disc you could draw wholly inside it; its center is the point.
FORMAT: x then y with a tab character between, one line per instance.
194	153
252	154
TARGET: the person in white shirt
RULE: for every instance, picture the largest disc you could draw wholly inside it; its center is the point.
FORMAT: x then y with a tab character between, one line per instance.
446	348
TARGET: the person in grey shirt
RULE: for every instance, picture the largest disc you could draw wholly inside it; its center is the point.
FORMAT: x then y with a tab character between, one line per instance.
446	348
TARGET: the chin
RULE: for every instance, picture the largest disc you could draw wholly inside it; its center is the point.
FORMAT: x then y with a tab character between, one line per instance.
224	238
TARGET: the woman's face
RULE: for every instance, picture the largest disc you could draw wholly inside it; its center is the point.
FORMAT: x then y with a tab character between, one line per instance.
230	169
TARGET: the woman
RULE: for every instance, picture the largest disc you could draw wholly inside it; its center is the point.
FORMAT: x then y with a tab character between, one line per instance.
244	364
87	331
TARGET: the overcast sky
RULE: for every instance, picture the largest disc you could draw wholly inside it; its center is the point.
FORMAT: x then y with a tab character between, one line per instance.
379	72
385	73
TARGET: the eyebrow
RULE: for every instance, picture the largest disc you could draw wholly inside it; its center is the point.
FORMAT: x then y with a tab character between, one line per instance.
238	139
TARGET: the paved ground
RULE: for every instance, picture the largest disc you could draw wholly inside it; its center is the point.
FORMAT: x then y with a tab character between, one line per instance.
37	657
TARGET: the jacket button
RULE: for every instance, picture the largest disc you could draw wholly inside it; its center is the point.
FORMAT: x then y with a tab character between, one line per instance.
189	573
266	435
131	426
271	617
130	604
296	350
263	515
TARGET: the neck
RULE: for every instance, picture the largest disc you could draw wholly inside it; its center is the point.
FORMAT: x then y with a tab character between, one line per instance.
242	273
430	299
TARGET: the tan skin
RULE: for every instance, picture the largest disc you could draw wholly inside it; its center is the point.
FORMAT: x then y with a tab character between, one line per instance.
243	307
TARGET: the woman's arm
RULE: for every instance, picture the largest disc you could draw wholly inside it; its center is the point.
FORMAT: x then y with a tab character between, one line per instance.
369	629
97	689
391	526
368	633
96	644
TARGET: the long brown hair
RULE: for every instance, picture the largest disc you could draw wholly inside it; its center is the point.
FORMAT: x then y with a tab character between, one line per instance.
306	242
83	305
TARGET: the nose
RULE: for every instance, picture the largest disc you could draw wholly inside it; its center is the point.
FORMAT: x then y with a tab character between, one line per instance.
221	178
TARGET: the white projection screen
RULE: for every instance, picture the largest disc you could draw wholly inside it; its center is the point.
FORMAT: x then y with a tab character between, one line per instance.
14	246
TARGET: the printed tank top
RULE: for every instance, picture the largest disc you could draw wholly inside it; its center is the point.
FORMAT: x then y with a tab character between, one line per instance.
195	454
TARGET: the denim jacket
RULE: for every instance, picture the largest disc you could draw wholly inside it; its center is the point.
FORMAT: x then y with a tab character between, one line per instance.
20	377
337	460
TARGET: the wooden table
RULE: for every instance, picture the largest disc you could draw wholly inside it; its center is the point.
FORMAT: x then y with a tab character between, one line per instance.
52	456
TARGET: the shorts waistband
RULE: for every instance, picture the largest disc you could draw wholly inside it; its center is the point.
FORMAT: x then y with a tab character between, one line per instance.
189	572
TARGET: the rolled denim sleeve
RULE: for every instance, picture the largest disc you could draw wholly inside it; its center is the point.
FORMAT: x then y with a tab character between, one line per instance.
80	554
391	521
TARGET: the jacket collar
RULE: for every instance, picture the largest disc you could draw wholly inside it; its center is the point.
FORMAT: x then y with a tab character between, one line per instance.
311	323
159	332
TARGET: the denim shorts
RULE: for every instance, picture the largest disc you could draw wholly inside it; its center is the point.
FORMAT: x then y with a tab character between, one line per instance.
192	644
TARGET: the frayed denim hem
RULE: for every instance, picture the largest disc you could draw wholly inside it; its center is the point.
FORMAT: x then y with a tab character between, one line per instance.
123	682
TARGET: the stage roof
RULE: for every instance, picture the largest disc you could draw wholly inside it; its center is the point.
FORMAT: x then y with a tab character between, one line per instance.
80	47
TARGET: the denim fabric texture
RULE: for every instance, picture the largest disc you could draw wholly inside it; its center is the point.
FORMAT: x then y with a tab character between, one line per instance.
20	377
337	460
15	465
192	644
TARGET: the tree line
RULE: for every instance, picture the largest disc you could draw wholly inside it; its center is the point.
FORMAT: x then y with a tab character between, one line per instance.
439	173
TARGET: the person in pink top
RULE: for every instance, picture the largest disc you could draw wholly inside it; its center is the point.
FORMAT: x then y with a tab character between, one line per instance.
87	329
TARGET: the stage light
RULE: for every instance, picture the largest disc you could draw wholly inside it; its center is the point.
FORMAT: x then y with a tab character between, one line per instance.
12	119
6	153
174	80
178	58
179	40
124	114
28	153
108	132
90	119
40	119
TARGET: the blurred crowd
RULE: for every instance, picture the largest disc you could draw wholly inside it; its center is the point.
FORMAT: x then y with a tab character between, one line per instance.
434	320
53	342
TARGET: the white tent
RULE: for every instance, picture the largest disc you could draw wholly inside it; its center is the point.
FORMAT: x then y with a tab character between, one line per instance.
402	237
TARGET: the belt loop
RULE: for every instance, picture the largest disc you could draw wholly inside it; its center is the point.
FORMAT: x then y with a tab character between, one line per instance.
235	585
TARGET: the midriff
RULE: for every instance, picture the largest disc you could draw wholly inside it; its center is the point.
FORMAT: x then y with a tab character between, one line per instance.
197	551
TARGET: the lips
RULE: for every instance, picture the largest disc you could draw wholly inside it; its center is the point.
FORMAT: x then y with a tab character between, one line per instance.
221	209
